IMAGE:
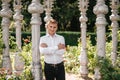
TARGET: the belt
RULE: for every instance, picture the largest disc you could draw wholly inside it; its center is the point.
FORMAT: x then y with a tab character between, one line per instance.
54	65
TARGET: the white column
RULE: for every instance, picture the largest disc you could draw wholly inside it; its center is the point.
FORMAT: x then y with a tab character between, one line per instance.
18	17
48	4
6	14
83	5
35	8
114	18
100	10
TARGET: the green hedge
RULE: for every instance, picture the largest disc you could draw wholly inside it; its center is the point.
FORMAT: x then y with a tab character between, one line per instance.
71	38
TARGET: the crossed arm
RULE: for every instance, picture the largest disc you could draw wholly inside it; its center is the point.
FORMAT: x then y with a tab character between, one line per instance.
60	46
59	49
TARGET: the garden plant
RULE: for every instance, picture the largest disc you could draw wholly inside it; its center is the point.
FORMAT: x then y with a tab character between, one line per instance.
71	57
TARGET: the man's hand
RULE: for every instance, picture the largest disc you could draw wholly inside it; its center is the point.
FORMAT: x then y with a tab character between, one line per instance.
44	45
61	46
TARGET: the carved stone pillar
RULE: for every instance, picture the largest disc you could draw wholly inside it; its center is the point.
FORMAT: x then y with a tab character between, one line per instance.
35	8
114	18
6	13
83	4
18	17
100	10
48	4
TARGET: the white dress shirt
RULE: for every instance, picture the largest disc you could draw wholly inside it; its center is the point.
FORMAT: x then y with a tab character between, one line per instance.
51	53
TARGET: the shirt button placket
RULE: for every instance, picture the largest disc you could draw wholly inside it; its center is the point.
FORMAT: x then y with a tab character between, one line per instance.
52	41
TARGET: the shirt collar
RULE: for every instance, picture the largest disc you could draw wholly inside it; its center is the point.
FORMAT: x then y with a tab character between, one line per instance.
50	35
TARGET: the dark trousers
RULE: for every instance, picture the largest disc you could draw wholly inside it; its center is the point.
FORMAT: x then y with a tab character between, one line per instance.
56	72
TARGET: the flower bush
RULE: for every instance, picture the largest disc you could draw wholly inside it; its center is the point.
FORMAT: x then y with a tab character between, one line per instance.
72	63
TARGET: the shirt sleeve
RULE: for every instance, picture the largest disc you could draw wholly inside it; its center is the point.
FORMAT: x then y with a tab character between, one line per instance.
61	51
47	50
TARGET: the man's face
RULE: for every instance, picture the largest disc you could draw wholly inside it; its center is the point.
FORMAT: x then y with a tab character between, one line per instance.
52	28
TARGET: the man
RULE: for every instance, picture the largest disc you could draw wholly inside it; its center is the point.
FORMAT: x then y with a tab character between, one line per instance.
52	46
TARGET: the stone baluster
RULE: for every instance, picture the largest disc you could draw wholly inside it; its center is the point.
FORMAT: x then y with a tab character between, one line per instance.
48	4
83	5
114	18
6	14
35	8
100	10
18	17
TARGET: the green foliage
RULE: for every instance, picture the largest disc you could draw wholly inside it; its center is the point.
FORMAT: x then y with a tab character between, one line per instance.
69	41
71	38
27	54
107	70
72	64
71	59
91	51
12	43
118	42
1	47
26	75
64	12
1	42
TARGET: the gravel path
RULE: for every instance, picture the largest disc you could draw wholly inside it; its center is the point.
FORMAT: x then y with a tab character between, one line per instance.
76	77
72	76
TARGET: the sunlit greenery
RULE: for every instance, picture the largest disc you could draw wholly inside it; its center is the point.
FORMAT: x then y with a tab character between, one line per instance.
71	60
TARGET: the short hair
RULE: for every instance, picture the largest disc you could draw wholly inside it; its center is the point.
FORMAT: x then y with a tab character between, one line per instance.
53	21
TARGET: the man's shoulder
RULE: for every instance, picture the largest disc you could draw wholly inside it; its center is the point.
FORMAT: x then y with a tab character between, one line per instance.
44	36
59	35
